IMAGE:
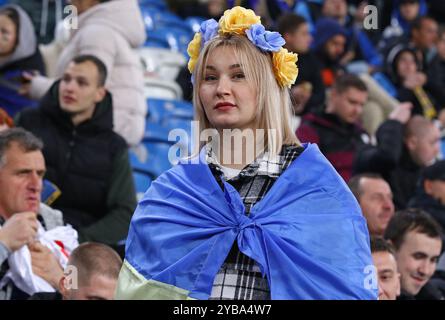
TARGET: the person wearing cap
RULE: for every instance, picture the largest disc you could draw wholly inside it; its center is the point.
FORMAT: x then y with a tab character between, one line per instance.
329	46
430	195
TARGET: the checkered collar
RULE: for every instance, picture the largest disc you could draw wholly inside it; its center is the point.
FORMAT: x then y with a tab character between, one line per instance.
262	165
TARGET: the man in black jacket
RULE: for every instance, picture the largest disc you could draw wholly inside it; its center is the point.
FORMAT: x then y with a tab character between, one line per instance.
308	90
85	158
419	147
416	238
430	195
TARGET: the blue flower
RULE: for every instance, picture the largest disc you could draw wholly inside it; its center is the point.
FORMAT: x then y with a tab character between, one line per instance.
265	40
209	29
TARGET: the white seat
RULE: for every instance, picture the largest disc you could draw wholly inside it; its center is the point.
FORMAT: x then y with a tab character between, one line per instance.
162	89
164	62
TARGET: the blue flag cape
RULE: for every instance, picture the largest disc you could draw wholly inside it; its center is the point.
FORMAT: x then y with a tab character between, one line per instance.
307	235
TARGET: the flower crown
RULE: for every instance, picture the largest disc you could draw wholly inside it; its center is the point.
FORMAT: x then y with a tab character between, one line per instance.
241	21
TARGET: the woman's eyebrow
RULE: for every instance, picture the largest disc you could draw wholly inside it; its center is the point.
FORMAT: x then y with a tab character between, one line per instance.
233	66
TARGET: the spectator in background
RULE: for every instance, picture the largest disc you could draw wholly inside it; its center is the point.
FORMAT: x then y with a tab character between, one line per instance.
96	268
85	158
44	14
338	135
406	12
308	91
412	84
211	9
417	239
423	38
309	9
383	256
419	147
375	199
21	171
329	47
359	48
430	194
439	62
110	30
18	53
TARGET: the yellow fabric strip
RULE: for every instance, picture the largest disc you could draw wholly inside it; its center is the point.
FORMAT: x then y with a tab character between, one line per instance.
133	286
429	111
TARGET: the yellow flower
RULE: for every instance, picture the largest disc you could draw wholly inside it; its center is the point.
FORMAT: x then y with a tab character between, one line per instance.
237	20
193	50
285	67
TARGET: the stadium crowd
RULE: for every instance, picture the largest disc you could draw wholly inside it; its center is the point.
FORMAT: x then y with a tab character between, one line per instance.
86	110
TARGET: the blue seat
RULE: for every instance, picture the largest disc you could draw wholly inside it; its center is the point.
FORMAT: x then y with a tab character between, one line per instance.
50	192
156	4
156	132
148	15
157	43
177	40
195	23
178	123
160	110
151	157
142	182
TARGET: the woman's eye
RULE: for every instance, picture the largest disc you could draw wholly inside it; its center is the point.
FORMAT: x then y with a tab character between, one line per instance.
209	78
239	76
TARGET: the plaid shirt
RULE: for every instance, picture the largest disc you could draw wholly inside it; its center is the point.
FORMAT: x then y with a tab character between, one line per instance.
239	277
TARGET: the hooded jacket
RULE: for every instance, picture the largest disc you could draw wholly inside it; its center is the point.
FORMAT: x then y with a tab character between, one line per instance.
338	141
26	55
89	163
348	147
111	31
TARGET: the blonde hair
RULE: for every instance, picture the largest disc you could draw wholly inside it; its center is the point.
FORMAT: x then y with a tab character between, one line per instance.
274	104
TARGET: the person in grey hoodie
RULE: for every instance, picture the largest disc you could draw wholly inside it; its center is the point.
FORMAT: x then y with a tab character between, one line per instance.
18	53
109	30
18	44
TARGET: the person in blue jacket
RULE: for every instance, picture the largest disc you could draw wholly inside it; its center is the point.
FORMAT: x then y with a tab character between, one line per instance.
264	218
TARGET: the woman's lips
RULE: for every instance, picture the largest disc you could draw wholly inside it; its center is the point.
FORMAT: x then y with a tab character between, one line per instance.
224	106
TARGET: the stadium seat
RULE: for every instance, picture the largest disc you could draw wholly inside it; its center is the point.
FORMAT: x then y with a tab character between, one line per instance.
156	132
160	110
159	88
155	4
50	192
177	39
142	182
151	157
195	23
162	61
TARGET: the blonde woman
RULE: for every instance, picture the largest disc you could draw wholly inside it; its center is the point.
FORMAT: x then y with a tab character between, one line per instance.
276	223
